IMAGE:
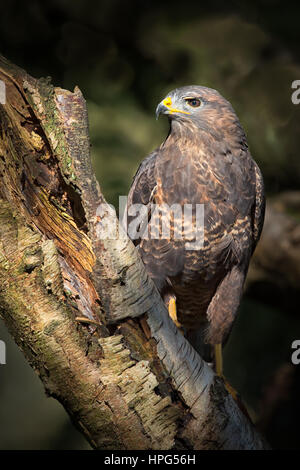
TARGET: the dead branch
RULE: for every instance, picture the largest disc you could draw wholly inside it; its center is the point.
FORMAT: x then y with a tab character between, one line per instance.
277	257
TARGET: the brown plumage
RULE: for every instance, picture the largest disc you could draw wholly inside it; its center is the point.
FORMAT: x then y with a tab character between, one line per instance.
204	160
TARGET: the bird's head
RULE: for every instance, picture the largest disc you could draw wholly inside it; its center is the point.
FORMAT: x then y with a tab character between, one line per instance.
200	107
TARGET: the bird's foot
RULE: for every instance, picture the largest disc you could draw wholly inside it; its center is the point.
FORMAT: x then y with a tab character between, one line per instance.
237	397
219	372
230	389
173	312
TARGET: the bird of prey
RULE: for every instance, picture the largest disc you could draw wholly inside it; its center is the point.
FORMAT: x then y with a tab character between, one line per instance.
204	160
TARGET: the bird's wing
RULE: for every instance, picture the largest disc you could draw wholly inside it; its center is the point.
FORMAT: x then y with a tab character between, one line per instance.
259	207
141	192
162	257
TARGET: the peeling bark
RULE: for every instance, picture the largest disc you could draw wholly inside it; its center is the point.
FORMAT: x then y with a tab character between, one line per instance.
81	307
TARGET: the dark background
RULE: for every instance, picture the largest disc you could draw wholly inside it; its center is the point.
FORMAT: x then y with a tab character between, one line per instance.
125	56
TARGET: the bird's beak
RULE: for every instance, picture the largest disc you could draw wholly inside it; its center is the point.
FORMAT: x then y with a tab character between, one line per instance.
161	109
165	107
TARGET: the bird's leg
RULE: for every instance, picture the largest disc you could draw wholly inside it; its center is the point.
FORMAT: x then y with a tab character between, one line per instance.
170	301
221	313
218	359
173	312
219	370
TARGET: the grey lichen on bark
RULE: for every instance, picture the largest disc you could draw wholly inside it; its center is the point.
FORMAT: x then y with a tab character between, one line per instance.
126	376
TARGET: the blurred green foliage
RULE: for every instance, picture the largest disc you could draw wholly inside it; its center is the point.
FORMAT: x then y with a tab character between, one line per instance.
125	56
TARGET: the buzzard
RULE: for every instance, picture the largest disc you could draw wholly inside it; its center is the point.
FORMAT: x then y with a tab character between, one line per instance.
203	162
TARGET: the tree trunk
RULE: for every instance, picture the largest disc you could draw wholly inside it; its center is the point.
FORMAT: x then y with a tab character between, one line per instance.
80	305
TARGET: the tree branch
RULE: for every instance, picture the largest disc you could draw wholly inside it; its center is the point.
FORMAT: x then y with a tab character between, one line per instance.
281	229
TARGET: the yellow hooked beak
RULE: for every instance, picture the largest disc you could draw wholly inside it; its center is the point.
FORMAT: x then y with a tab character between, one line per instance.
165	107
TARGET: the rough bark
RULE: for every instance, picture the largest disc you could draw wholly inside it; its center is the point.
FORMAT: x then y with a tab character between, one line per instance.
81	307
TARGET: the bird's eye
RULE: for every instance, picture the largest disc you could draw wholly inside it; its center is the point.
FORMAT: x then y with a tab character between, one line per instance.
194	102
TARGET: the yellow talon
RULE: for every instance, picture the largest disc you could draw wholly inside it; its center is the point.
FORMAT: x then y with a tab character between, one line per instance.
173	312
219	371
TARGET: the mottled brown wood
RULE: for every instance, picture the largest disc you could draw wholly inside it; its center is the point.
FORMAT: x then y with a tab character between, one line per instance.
126	376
